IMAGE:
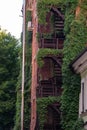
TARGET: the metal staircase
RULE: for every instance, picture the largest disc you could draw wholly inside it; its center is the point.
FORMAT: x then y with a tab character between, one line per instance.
58	24
52	86
57	70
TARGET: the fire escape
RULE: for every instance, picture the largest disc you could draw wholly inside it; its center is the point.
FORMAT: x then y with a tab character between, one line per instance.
50	75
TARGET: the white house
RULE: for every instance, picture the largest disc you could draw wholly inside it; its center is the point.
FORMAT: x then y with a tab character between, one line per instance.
80	67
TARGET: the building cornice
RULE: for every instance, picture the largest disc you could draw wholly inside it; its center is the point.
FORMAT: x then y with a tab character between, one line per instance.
79	64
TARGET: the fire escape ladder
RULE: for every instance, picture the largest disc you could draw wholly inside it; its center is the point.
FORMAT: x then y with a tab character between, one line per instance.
57	65
58	24
55	108
57	61
56	115
57	70
56	118
58	12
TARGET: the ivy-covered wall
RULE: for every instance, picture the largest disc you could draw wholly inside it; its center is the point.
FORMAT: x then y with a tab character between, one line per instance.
76	38
46	52
42	104
75	30
44	6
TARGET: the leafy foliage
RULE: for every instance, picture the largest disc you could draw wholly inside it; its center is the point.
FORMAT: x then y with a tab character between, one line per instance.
76	35
42	104
79	124
75	29
9	70
44	6
44	52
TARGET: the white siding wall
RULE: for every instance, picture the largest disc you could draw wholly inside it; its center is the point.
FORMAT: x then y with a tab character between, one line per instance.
80	103
83	80
80	98
86	92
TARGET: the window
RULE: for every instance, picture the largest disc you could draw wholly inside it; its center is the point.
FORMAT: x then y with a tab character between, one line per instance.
82	97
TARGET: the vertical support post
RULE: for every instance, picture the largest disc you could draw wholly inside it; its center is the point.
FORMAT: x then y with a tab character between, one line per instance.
23	70
57	40
34	66
43	43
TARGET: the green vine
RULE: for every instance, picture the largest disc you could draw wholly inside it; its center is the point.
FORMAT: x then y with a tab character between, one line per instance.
76	38
42	104
75	30
44	52
44	6
79	124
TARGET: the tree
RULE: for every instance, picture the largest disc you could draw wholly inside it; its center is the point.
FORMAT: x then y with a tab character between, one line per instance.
9	70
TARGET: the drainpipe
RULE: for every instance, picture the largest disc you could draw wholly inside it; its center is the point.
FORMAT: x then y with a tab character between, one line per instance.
23	69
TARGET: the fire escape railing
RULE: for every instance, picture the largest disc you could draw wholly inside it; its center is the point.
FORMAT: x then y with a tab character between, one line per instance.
54	43
47	88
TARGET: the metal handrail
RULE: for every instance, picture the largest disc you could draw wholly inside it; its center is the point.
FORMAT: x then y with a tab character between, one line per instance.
49	43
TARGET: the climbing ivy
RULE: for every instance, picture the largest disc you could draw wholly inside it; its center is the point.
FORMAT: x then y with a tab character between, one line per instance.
44	6
42	104
76	35
79	124
75	29
44	52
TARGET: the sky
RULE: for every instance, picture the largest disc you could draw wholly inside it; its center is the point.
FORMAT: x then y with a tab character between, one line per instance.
10	20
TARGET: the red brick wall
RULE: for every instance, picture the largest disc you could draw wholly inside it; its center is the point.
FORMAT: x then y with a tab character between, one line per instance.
46	71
